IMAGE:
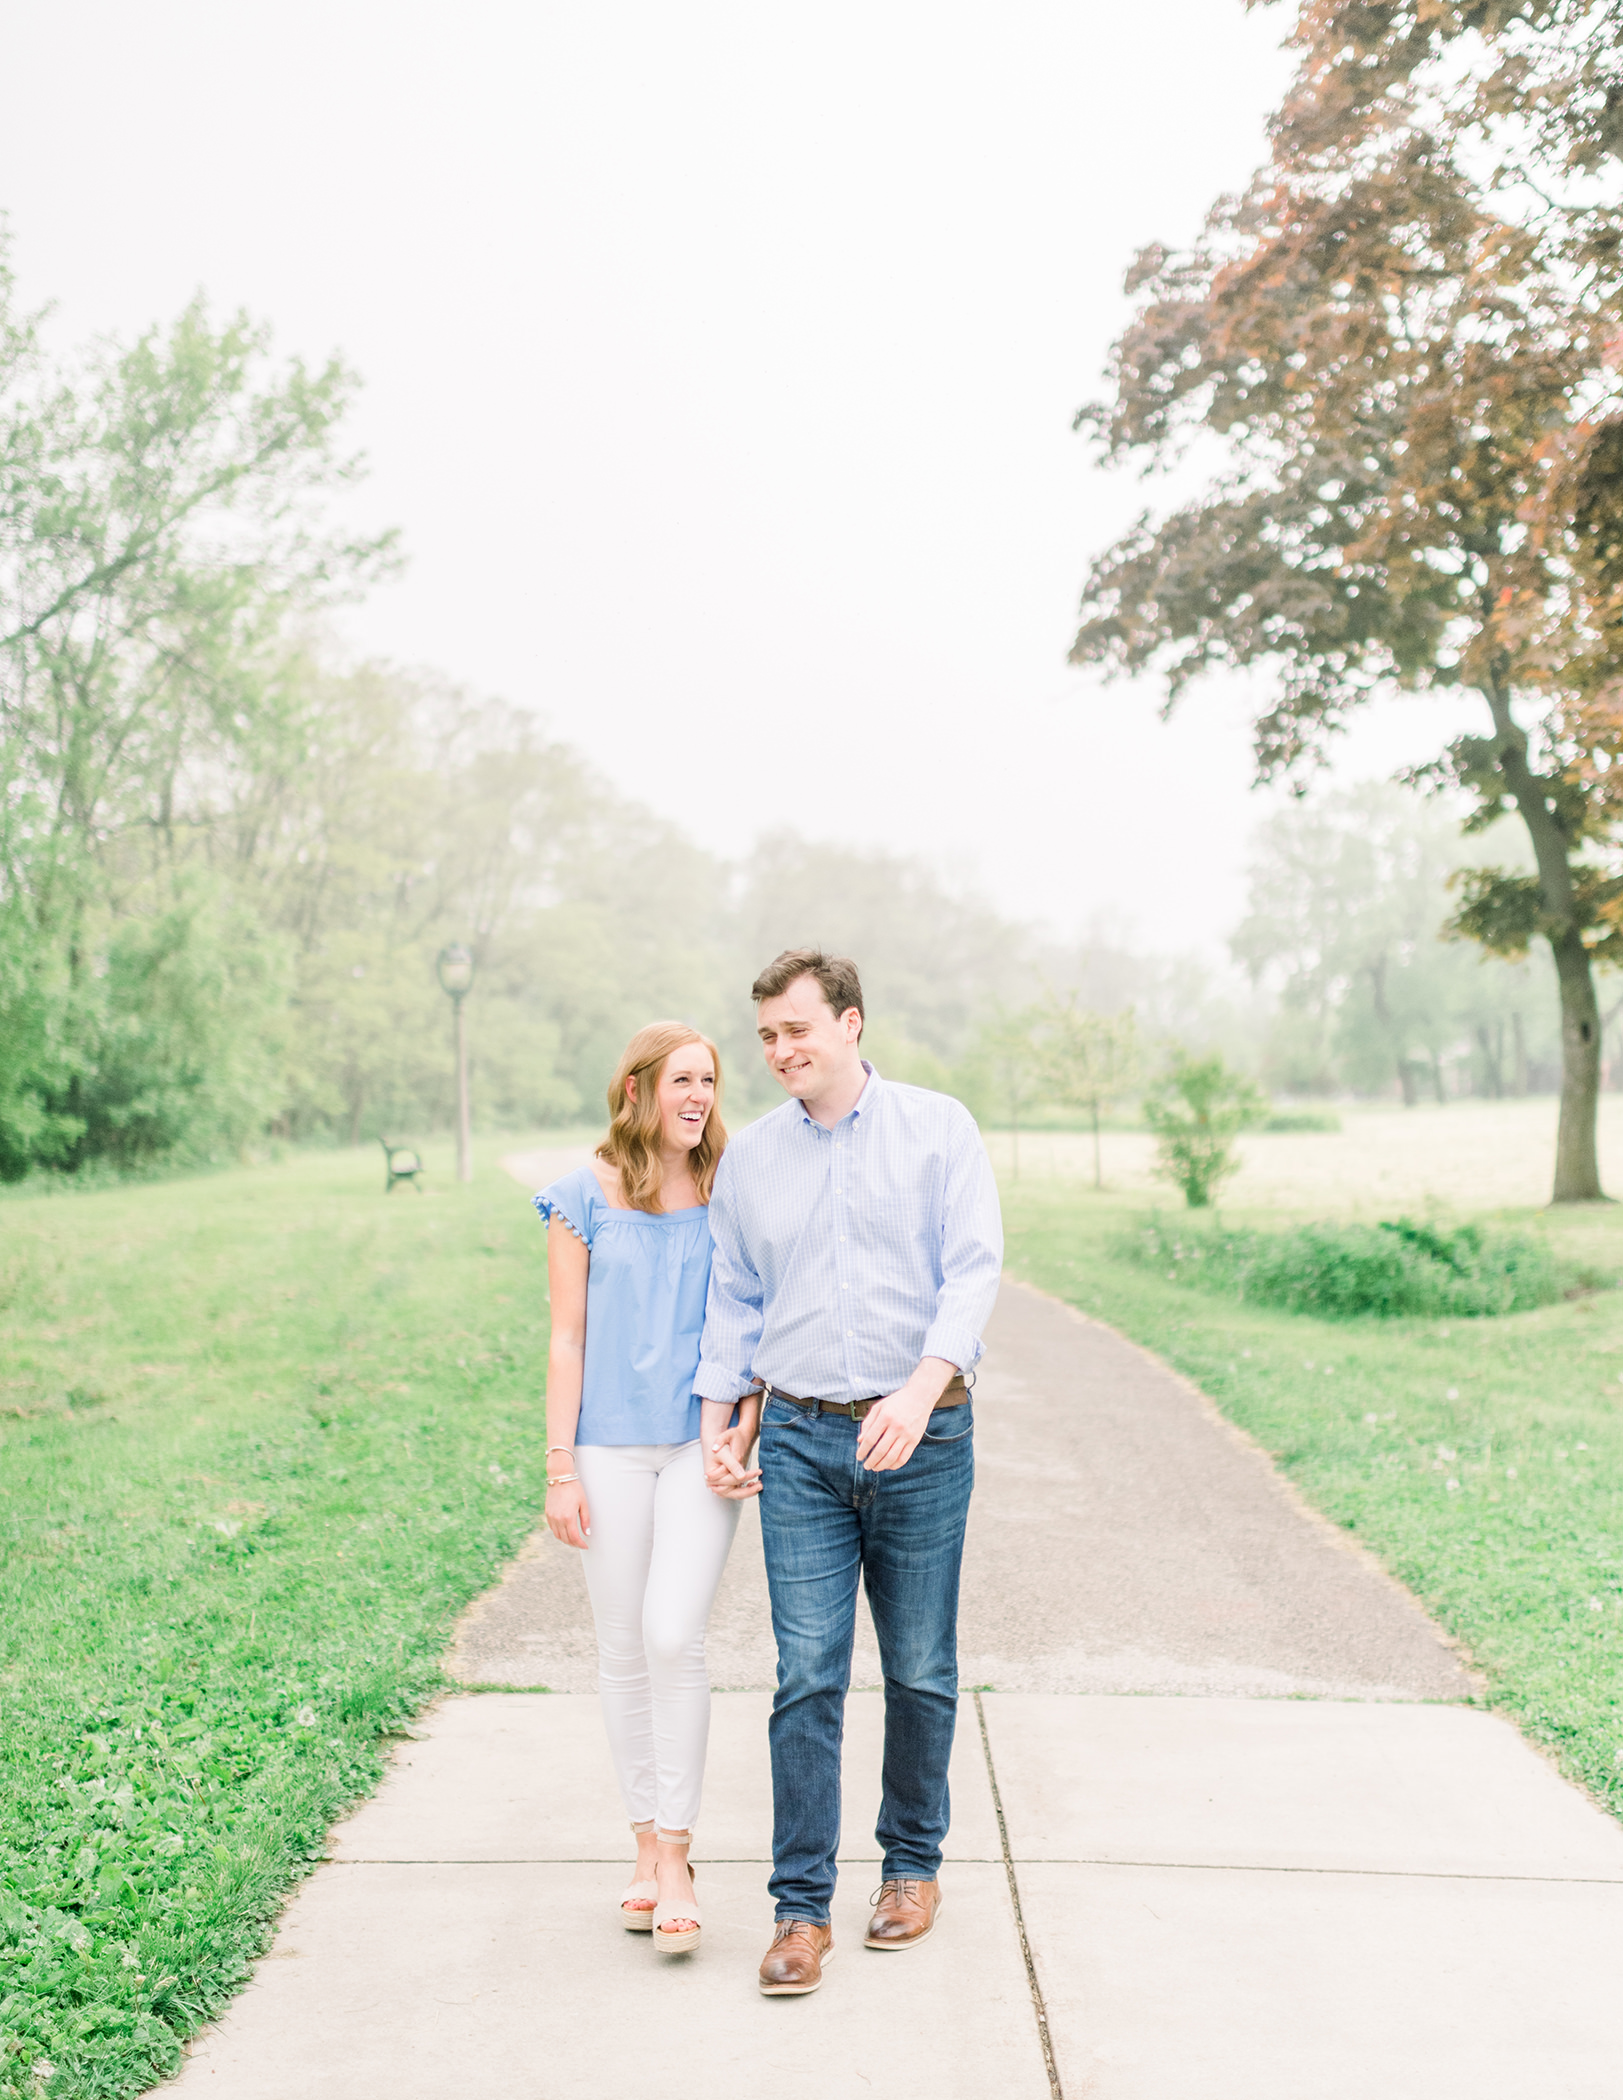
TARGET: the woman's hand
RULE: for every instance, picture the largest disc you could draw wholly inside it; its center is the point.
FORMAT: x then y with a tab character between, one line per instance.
727	1470
568	1518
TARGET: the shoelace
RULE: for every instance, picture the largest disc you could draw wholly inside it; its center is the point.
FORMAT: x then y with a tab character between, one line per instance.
789	1927
908	1884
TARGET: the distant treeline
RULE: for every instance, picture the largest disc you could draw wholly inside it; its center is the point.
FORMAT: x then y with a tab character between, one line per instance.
228	862
1348	894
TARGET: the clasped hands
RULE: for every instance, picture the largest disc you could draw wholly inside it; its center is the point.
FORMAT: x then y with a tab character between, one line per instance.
727	1470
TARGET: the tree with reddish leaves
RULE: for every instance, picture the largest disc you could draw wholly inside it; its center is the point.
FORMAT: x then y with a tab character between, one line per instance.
1407	337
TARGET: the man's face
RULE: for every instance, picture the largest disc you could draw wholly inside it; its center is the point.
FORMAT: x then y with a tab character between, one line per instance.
808	1046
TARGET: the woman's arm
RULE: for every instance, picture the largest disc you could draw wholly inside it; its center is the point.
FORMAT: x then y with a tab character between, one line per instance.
568	1261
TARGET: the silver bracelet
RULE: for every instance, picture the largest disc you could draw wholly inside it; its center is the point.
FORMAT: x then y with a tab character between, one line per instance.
562	1480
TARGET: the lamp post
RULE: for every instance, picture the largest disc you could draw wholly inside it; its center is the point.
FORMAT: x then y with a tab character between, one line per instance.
454	968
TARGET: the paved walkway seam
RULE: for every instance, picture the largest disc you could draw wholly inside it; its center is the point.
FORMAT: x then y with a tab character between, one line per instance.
1039	2009
1245	1866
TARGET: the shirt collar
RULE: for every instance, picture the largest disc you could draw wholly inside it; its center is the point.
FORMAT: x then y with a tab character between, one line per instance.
872	1087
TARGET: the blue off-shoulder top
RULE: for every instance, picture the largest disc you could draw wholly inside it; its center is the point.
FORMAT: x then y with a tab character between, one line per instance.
645	1293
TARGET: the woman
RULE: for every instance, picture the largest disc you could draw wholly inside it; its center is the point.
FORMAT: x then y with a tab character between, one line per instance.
628	1258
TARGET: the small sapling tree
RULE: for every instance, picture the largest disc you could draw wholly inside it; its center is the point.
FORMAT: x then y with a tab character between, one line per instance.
1196	1109
1089	1061
1006	1049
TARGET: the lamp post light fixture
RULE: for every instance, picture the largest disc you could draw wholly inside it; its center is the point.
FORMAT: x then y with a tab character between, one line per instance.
454	968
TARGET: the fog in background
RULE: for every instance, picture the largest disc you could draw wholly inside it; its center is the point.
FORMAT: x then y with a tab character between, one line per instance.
719	370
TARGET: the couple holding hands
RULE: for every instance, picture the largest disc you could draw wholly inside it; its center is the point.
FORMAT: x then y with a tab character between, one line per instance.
821	1284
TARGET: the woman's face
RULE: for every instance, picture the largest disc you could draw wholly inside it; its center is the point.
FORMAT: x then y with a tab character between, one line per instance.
687	1093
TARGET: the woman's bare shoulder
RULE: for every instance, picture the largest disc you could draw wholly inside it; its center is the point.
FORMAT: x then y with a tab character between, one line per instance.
608	1180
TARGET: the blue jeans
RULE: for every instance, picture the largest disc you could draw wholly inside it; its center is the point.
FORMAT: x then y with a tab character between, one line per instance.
824	1517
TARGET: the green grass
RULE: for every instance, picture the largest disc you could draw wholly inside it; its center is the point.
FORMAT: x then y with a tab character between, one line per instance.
1481	1460
261	1435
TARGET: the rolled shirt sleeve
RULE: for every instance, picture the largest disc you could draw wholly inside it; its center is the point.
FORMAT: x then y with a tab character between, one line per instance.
971	1253
735	1308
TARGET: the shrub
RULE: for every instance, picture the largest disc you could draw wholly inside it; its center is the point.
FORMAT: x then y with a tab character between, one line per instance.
1298	1119
1339	1272
1195	1110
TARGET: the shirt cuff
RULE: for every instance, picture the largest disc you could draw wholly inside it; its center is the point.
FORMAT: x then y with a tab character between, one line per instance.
954	1345
712	1382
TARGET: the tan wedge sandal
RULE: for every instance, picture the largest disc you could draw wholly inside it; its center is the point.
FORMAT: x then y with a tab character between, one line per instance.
666	1914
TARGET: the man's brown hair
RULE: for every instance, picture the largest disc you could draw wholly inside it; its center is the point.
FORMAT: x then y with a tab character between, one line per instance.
836	977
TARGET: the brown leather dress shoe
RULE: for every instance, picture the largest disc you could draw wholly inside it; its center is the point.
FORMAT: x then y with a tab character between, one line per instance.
904	1913
794	1962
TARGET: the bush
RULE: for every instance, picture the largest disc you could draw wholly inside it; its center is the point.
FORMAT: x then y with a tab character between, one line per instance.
1340	1272
1195	1110
1288	1120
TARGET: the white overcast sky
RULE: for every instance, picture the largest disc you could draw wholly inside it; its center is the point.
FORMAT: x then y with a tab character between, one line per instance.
720	362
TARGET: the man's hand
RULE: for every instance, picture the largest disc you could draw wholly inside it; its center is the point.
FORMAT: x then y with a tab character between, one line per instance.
891	1431
726	1470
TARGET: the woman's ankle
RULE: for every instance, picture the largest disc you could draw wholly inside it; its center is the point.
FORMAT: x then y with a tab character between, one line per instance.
672	1856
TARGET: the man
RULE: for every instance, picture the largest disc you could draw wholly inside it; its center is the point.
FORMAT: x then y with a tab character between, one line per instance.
857	1250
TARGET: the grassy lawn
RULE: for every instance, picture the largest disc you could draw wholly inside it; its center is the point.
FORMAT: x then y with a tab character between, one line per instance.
1481	1460
261	1435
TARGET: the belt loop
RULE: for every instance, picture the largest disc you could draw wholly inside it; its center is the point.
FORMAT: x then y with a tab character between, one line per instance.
816	1408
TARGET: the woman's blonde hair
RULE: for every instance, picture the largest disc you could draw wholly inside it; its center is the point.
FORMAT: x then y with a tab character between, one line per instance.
632	1146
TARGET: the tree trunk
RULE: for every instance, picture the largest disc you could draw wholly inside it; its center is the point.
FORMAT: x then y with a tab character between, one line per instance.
1577	1167
1491	1041
1521	1052
1437	1086
1611	1073
1383	1014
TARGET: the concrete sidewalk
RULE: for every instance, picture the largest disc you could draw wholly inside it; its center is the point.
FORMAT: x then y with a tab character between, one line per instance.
1223	1897
1221	1826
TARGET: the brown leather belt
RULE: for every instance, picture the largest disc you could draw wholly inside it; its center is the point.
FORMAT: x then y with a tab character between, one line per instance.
955	1393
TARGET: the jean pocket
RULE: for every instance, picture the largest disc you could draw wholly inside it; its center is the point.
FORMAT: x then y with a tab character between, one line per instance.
956	1424
779	1413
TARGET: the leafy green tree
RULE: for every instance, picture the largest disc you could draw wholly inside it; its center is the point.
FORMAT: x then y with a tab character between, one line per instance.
1089	1061
156	537
184	1035
1196	1109
1410	361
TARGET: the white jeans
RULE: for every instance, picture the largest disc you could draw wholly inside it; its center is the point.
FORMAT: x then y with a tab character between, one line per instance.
659	1542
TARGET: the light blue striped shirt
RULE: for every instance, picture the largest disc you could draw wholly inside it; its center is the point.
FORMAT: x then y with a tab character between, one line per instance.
843	1256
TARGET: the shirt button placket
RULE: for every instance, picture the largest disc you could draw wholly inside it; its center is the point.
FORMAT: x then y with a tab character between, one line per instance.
840	1259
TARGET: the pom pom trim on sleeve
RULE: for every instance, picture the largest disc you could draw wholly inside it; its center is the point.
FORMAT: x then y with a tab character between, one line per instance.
549	1211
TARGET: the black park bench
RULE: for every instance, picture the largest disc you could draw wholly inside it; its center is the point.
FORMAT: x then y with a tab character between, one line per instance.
403	1165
